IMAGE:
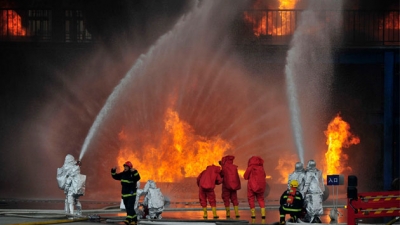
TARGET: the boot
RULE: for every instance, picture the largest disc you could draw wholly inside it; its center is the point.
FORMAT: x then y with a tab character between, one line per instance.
262	213
282	219
71	208
214	210
228	212
253	213
236	211
79	210
205	213
66	207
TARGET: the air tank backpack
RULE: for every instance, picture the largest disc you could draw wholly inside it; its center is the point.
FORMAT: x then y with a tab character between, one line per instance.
291	195
207	180
231	177
257	179
61	178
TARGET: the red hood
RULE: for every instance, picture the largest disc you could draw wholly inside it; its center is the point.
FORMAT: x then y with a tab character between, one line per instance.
255	161
227	159
214	168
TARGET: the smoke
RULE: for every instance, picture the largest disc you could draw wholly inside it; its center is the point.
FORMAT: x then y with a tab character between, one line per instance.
216	87
197	65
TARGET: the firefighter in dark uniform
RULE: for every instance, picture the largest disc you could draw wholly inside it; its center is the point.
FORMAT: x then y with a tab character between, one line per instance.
291	202
129	177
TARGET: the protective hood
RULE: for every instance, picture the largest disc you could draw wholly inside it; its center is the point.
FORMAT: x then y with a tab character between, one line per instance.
214	168
311	166
152	184
227	159
299	167
149	185
256	161
69	159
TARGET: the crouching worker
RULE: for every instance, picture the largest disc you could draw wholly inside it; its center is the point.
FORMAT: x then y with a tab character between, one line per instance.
291	202
206	182
154	200
129	178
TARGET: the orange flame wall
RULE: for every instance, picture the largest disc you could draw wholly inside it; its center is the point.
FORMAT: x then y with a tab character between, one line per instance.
180	153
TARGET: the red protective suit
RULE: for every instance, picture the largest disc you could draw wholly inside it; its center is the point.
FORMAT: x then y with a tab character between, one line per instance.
231	181
206	182
255	174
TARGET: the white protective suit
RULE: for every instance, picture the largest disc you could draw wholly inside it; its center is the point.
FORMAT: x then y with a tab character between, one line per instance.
139	193
314	191
73	183
298	174
154	200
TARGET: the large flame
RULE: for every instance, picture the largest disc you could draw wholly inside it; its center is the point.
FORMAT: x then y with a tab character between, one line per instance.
180	154
272	23
338	136
285	167
11	24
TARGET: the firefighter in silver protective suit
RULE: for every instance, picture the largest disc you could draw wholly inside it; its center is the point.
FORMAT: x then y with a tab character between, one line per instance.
153	201
299	174
139	193
314	191
73	183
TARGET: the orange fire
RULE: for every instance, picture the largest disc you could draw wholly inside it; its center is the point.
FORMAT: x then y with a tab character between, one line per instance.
285	167
11	24
180	154
272	23
338	137
392	21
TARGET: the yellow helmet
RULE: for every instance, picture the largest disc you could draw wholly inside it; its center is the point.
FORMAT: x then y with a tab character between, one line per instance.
294	183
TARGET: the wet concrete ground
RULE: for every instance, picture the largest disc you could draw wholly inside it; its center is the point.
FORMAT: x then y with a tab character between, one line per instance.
113	215
188	213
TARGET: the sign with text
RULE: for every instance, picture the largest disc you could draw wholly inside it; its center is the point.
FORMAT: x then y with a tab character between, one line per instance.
335	179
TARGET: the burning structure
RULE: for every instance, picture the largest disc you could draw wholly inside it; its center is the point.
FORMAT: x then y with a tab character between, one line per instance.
198	94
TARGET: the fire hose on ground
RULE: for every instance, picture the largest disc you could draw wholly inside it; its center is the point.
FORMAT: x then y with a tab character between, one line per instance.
55	216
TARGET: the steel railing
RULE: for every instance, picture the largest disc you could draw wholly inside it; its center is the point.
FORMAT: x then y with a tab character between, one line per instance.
274	27
358	27
43	25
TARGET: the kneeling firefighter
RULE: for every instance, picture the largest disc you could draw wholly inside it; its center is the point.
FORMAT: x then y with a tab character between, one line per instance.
291	202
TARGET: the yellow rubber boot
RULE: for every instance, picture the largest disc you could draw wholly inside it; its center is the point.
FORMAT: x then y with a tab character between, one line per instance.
236	211
253	213
214	210
205	213
228	212
262	213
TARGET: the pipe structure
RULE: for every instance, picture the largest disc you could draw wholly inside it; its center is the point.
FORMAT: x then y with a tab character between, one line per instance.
373	204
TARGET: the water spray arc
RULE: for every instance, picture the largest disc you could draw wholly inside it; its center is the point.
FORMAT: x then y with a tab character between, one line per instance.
308	66
294	112
181	40
109	105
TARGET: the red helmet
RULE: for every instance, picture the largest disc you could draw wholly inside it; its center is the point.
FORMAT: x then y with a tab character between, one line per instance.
128	164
